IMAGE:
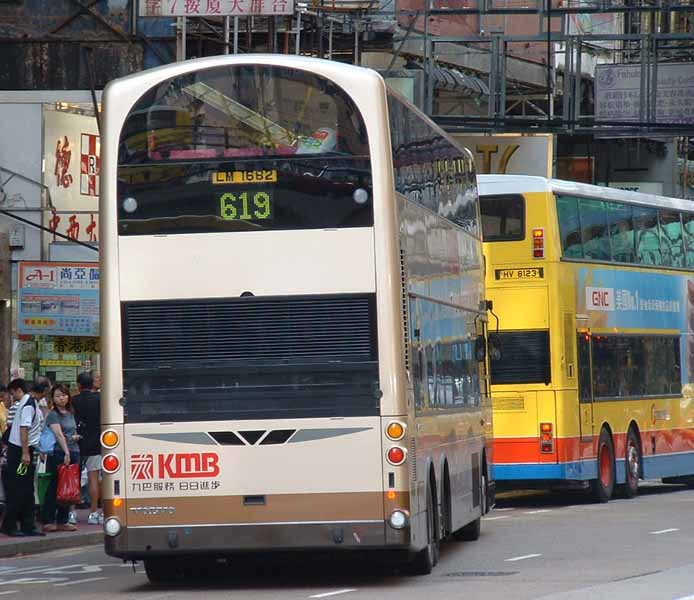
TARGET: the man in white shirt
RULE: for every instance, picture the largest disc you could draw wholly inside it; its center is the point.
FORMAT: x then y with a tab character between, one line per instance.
24	437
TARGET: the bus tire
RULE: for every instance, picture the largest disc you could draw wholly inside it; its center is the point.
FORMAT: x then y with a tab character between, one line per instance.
603	486
425	560
632	464
158	571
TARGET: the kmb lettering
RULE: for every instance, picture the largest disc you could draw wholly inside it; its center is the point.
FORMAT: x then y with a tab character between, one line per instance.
188	466
193	465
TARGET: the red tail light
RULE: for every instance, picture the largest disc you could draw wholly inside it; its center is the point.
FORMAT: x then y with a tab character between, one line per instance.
546	438
538	243
110	464
396	455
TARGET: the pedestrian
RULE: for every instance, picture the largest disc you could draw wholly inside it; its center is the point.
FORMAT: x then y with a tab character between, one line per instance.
62	422
40	391
5	403
24	437
88	414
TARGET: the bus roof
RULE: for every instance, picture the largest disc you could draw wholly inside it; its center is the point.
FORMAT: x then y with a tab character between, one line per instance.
513	184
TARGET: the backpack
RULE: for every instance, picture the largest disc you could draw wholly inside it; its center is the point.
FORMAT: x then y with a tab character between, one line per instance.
47	440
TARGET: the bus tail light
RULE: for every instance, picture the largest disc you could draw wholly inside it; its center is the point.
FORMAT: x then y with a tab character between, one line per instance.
111	463
396	455
546	438
395	431
538	243
109	439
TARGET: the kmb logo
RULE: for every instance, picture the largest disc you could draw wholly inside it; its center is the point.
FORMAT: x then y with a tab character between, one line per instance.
174	466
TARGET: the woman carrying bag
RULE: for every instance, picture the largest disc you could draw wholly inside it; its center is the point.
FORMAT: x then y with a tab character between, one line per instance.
61	421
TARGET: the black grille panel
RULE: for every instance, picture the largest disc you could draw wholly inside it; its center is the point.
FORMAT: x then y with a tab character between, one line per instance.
249	329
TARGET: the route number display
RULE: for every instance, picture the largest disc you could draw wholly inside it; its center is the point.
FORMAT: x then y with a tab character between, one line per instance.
245	206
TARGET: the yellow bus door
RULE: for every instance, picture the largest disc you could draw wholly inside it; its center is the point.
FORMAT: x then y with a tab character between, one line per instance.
585	389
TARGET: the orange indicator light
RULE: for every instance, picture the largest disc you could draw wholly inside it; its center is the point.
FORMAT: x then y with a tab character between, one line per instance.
117	502
395	430
392	495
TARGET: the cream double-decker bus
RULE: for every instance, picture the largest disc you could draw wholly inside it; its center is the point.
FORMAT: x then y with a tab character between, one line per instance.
293	317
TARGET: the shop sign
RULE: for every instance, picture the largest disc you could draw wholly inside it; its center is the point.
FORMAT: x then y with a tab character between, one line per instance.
58	299
618	93
510	154
72	159
211	8
60	363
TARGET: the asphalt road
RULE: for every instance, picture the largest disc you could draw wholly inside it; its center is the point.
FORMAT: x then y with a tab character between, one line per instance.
533	545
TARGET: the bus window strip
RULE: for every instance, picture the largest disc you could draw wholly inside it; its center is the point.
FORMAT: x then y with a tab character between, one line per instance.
684	233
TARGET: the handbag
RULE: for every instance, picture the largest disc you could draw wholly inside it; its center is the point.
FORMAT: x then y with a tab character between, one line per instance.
69	484
47	440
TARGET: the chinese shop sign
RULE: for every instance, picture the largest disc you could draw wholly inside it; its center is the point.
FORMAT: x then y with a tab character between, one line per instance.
59	299
211	8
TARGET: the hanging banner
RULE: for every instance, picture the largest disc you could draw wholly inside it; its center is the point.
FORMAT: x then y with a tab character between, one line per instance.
72	159
58	299
212	8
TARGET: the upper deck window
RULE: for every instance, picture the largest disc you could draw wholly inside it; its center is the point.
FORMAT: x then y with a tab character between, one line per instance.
243	148
503	217
618	232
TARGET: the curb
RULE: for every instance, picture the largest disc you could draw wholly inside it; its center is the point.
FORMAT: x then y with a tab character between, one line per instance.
38	545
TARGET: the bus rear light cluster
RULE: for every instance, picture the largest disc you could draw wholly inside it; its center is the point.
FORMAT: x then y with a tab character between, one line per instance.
538	243
546	438
110	463
396	455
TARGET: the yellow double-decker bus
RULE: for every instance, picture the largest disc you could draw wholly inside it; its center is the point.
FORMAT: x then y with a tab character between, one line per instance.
594	288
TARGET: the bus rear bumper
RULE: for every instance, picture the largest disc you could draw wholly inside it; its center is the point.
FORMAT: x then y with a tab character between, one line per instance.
583	470
136	543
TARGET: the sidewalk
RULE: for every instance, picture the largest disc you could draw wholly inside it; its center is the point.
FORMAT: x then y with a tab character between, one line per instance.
84	536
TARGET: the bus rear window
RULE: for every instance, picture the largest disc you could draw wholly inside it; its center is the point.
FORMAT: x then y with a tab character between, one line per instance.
503	217
525	358
243	148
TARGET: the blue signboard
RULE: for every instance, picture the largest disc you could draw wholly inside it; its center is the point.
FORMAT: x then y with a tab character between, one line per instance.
58	299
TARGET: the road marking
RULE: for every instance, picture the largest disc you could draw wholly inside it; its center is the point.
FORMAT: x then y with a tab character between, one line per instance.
502	509
685	598
517	558
537	512
326	594
8	592
79	581
663	531
495	518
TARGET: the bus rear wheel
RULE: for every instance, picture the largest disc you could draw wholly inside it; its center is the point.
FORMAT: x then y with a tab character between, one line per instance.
603	486
633	465
425	560
158	571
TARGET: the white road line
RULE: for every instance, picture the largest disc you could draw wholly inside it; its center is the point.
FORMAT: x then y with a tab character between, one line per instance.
537	512
503	509
326	594
686	598
672	529
8	592
517	558
79	581
495	518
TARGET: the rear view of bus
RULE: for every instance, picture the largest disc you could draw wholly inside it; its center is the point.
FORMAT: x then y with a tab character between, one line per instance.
239	294
521	282
255	389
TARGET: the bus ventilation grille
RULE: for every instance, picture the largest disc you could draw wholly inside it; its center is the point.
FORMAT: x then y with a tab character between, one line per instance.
413	458
291	329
